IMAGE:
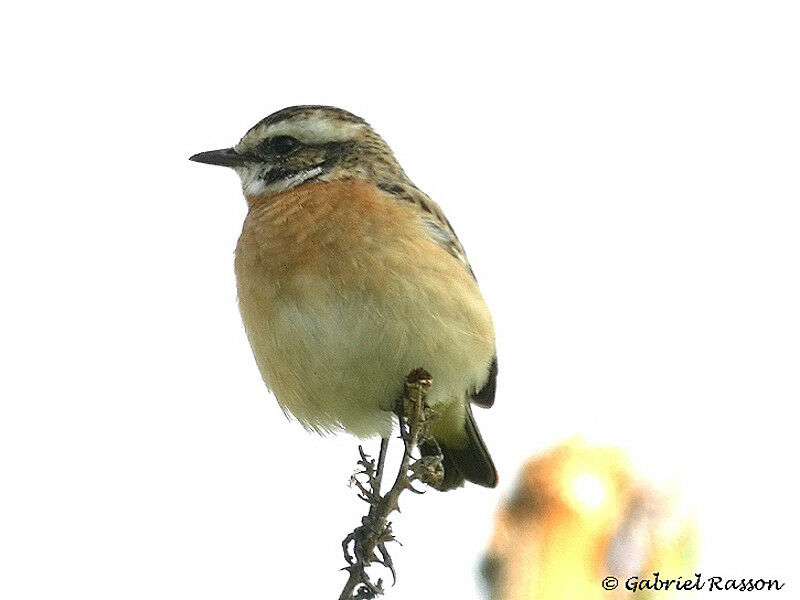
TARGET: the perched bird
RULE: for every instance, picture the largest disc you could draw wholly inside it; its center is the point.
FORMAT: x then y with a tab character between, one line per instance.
349	277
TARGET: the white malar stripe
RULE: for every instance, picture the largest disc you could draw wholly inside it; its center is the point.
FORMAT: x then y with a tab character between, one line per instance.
253	183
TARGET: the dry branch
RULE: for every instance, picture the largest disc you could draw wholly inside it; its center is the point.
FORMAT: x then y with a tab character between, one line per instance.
369	539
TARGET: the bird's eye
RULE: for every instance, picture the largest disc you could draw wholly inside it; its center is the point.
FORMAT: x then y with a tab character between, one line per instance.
283	145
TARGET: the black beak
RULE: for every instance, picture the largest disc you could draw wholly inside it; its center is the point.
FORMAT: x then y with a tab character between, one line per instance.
227	157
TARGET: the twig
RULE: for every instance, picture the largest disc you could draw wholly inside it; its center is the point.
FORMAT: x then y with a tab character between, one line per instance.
370	538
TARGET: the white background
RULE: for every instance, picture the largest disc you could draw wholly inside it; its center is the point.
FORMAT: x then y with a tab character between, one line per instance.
624	176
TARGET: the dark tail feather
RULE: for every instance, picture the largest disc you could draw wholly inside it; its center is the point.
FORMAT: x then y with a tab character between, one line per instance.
471	462
474	461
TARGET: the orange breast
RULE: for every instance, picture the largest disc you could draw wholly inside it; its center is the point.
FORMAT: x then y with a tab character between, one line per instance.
346	232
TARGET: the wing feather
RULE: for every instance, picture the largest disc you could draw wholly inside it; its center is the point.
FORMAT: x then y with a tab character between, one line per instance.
439	230
435	222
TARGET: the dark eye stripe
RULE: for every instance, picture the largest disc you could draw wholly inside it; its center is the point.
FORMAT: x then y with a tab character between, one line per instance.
282	145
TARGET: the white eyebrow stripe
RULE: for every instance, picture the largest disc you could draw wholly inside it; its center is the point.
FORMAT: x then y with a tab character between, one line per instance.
313	129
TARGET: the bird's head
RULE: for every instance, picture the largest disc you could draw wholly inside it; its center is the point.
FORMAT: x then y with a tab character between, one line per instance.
306	143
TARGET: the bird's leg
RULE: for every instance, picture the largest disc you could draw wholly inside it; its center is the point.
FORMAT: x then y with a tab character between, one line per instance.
378	478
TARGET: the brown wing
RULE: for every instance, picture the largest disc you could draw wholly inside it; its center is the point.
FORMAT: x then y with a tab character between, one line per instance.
436	224
440	231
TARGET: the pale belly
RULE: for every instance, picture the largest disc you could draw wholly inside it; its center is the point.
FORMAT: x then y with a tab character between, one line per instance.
337	359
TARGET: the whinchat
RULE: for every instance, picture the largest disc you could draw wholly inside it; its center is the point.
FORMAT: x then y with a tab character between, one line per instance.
349	277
